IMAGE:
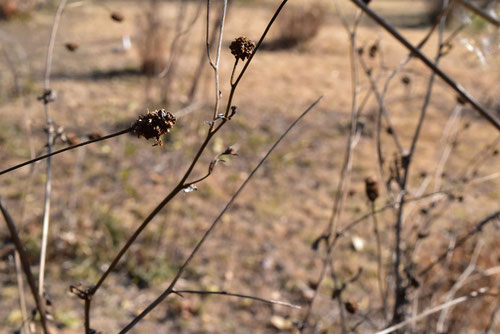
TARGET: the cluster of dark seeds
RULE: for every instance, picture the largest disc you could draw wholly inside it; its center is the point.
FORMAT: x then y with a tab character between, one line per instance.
154	124
242	48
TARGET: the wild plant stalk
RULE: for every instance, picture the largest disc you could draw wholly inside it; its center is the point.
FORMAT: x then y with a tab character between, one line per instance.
479	11
46	99
238	295
461	241
69	148
215	125
442	324
345	172
475	294
416	52
11	226
491	323
20	289
211	35
170	288
400	291
381	100
380	273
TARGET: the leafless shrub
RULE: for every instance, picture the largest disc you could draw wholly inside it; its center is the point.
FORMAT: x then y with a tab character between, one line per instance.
403	276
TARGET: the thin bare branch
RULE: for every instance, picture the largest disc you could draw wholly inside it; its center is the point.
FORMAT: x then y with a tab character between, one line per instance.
225	293
45	156
20	289
475	294
415	51
25	264
170	288
479	11
478	228
46	99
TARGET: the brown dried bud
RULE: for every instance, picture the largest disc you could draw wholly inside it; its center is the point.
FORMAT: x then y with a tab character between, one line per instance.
154	124
242	48
72	139
116	16
229	151
95	134
71	47
351	307
461	100
373	51
371	188
406	80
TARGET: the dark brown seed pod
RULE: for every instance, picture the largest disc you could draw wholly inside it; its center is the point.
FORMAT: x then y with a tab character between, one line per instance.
242	48
116	16
351	307
154	124
95	134
461	100
371	188
406	80
373	51
71	47
72	139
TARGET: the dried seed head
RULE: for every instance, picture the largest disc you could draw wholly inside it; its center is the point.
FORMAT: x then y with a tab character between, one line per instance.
154	124
242	48
95	134
71	46
461	100
406	80
351	307
116	16
373	50
371	188
72	138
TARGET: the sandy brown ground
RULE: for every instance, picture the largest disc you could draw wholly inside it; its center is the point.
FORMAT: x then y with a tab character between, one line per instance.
263	246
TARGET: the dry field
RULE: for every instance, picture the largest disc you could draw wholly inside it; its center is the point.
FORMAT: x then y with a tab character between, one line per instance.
262	247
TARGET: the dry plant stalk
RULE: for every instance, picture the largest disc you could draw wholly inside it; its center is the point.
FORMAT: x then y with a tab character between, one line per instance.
154	124
218	121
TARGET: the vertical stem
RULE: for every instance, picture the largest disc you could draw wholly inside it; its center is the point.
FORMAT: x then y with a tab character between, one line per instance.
20	288
50	133
379	260
400	290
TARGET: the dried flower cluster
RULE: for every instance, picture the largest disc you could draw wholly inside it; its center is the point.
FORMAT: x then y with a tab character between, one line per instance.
154	124
371	187
242	48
